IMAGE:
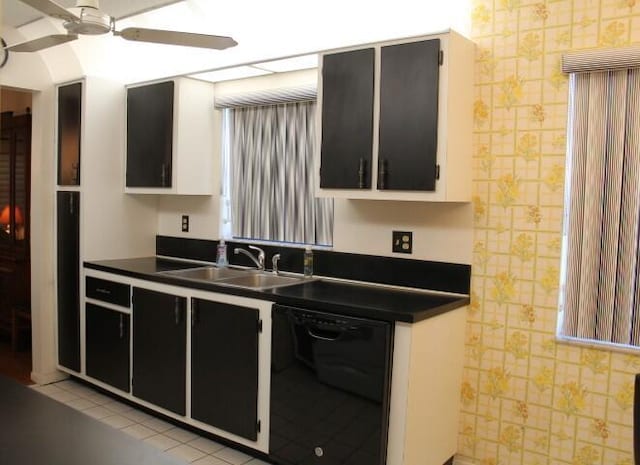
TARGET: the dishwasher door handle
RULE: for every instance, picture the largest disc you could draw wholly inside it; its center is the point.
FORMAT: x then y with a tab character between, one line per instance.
322	338
328	335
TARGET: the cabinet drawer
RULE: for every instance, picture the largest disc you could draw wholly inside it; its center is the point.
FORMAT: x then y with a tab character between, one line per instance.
108	291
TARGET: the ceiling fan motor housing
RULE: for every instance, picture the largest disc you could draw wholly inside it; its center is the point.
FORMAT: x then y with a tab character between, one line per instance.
92	20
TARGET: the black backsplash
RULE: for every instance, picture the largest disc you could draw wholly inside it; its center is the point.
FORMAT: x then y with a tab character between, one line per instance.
423	274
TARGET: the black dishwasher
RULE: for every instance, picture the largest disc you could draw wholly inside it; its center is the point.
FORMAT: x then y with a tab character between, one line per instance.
330	382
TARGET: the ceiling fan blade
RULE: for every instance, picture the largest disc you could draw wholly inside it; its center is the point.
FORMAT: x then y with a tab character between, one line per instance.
42	43
51	8
188	39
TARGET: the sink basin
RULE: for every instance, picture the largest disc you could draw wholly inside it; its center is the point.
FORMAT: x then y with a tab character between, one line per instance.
206	273
233	277
261	281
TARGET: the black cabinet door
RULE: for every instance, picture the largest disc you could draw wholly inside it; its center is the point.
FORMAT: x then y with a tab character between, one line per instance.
347	119
107	346
409	116
224	366
69	121
149	135
159	349
68	264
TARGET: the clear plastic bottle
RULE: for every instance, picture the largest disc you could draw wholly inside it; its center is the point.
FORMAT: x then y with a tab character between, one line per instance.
221	254
308	261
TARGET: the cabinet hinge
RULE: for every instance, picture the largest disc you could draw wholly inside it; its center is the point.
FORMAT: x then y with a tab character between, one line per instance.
258	426
437	171
259	325
440	57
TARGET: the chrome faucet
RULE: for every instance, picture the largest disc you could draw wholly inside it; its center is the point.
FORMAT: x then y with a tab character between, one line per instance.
258	261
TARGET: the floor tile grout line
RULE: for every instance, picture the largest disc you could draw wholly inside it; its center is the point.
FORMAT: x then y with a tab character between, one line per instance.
100	400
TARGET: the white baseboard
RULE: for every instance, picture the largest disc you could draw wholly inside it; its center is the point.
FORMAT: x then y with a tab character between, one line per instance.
49	377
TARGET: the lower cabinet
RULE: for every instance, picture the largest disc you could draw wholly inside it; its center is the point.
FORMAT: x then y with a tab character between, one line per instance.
224	366
107	346
159	349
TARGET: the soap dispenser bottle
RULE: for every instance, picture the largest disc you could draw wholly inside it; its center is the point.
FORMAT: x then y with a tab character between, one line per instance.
308	262
221	254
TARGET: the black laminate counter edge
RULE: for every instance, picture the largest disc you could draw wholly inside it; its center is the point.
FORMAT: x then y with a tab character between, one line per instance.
375	302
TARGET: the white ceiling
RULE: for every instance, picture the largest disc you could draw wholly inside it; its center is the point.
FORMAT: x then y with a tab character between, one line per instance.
16	14
265	31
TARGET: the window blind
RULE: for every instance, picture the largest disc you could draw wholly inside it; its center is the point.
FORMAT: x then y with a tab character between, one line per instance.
303	93
601	298
601	60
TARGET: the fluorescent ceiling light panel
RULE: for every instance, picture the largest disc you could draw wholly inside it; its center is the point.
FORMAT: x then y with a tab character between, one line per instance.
290	64
228	74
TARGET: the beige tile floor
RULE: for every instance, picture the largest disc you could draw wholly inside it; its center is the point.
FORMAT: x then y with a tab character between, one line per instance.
175	441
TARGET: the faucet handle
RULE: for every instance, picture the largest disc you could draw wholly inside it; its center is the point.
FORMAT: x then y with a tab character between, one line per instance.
274	261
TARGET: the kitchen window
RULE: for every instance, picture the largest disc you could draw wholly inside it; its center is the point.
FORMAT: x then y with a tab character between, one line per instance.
268	190
600	284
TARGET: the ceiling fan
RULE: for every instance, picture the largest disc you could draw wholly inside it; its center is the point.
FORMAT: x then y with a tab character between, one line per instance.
87	18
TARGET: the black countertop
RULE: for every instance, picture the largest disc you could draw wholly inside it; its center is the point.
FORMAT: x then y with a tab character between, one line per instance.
362	300
37	430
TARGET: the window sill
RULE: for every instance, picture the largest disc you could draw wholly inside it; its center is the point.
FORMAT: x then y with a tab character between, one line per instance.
597	345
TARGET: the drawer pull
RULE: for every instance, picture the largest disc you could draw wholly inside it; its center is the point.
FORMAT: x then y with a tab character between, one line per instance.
99	290
121	327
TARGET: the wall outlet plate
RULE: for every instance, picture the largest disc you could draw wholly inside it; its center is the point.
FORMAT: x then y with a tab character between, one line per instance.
185	223
402	242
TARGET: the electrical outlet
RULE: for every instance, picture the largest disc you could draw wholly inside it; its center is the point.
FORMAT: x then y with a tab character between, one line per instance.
185	223
402	242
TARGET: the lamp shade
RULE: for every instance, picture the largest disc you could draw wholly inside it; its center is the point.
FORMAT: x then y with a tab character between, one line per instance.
5	217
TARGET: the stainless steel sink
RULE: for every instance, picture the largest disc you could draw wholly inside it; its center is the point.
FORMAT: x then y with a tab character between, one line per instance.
261	281
233	277
206	273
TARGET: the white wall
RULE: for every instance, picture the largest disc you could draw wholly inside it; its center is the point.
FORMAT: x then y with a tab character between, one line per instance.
113	224
441	232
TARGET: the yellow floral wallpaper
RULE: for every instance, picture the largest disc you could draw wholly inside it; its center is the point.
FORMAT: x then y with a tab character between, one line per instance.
525	398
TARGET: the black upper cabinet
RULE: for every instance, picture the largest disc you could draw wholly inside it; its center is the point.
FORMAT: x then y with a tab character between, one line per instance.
407	122
224	366
409	116
159	354
150	135
347	119
69	130
68	261
107	346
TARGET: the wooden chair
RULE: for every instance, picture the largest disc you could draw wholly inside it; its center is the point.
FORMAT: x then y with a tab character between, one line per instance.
5	301
14	318
20	321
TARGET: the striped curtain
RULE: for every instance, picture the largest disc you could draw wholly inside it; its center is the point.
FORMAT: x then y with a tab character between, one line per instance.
602	270
271	174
